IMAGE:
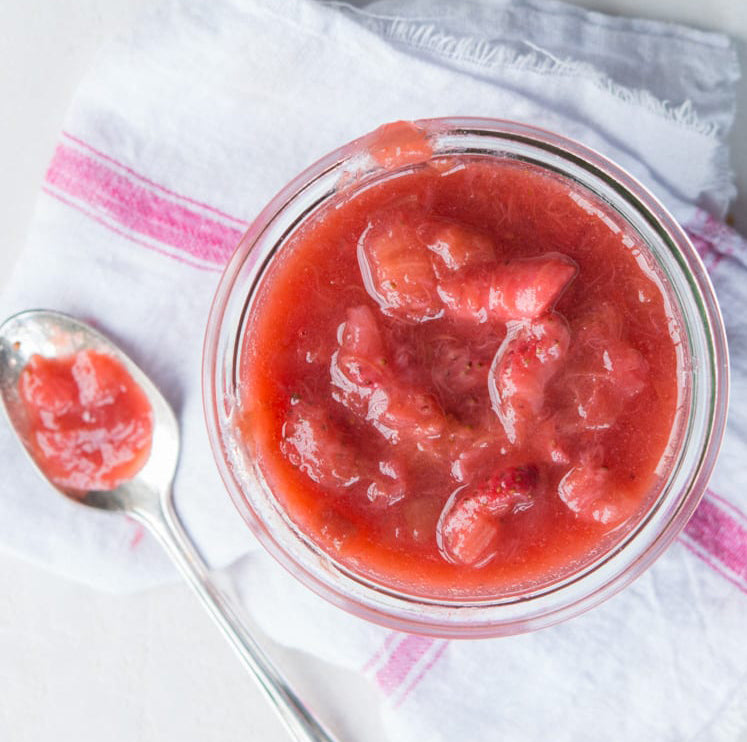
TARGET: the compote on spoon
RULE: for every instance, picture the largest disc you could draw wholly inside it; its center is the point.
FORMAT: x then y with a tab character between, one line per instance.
146	496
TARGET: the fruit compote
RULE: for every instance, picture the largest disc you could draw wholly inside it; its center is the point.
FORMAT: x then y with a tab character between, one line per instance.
89	423
461	380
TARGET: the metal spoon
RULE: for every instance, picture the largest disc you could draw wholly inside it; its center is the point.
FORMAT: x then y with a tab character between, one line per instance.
147	496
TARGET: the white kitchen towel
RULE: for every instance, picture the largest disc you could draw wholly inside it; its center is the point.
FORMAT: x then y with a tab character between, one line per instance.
179	135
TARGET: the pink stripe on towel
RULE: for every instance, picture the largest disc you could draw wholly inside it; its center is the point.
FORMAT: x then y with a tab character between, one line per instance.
402	660
435	657
379	653
120	198
128	236
720	537
121	166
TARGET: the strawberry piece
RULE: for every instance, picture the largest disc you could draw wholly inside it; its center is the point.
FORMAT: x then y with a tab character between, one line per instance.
520	289
317	446
588	491
396	269
455	245
531	354
509	490
470	523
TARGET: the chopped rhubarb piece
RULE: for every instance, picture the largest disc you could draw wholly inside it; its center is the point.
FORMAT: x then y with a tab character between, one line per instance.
529	357
604	372
472	450
397	144
626	367
387	486
360	365
601	348
455	245
595	403
403	414
520	289
317	446
469	460
589	491
361	336
385	492
467	534
361	357
396	269
365	383
594	328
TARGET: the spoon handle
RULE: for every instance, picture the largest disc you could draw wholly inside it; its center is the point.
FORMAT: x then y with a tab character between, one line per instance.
165	525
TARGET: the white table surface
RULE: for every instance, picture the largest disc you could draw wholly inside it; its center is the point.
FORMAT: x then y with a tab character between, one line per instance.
80	665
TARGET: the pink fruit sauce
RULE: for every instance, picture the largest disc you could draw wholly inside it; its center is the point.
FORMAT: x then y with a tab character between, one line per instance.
462	380
90	424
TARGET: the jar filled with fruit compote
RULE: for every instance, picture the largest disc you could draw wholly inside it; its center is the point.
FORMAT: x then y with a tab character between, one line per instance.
465	377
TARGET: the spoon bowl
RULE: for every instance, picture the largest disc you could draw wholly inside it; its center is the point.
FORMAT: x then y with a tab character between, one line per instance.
54	334
147	496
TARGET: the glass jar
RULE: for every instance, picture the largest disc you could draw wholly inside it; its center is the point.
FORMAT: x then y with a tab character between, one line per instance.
703	380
